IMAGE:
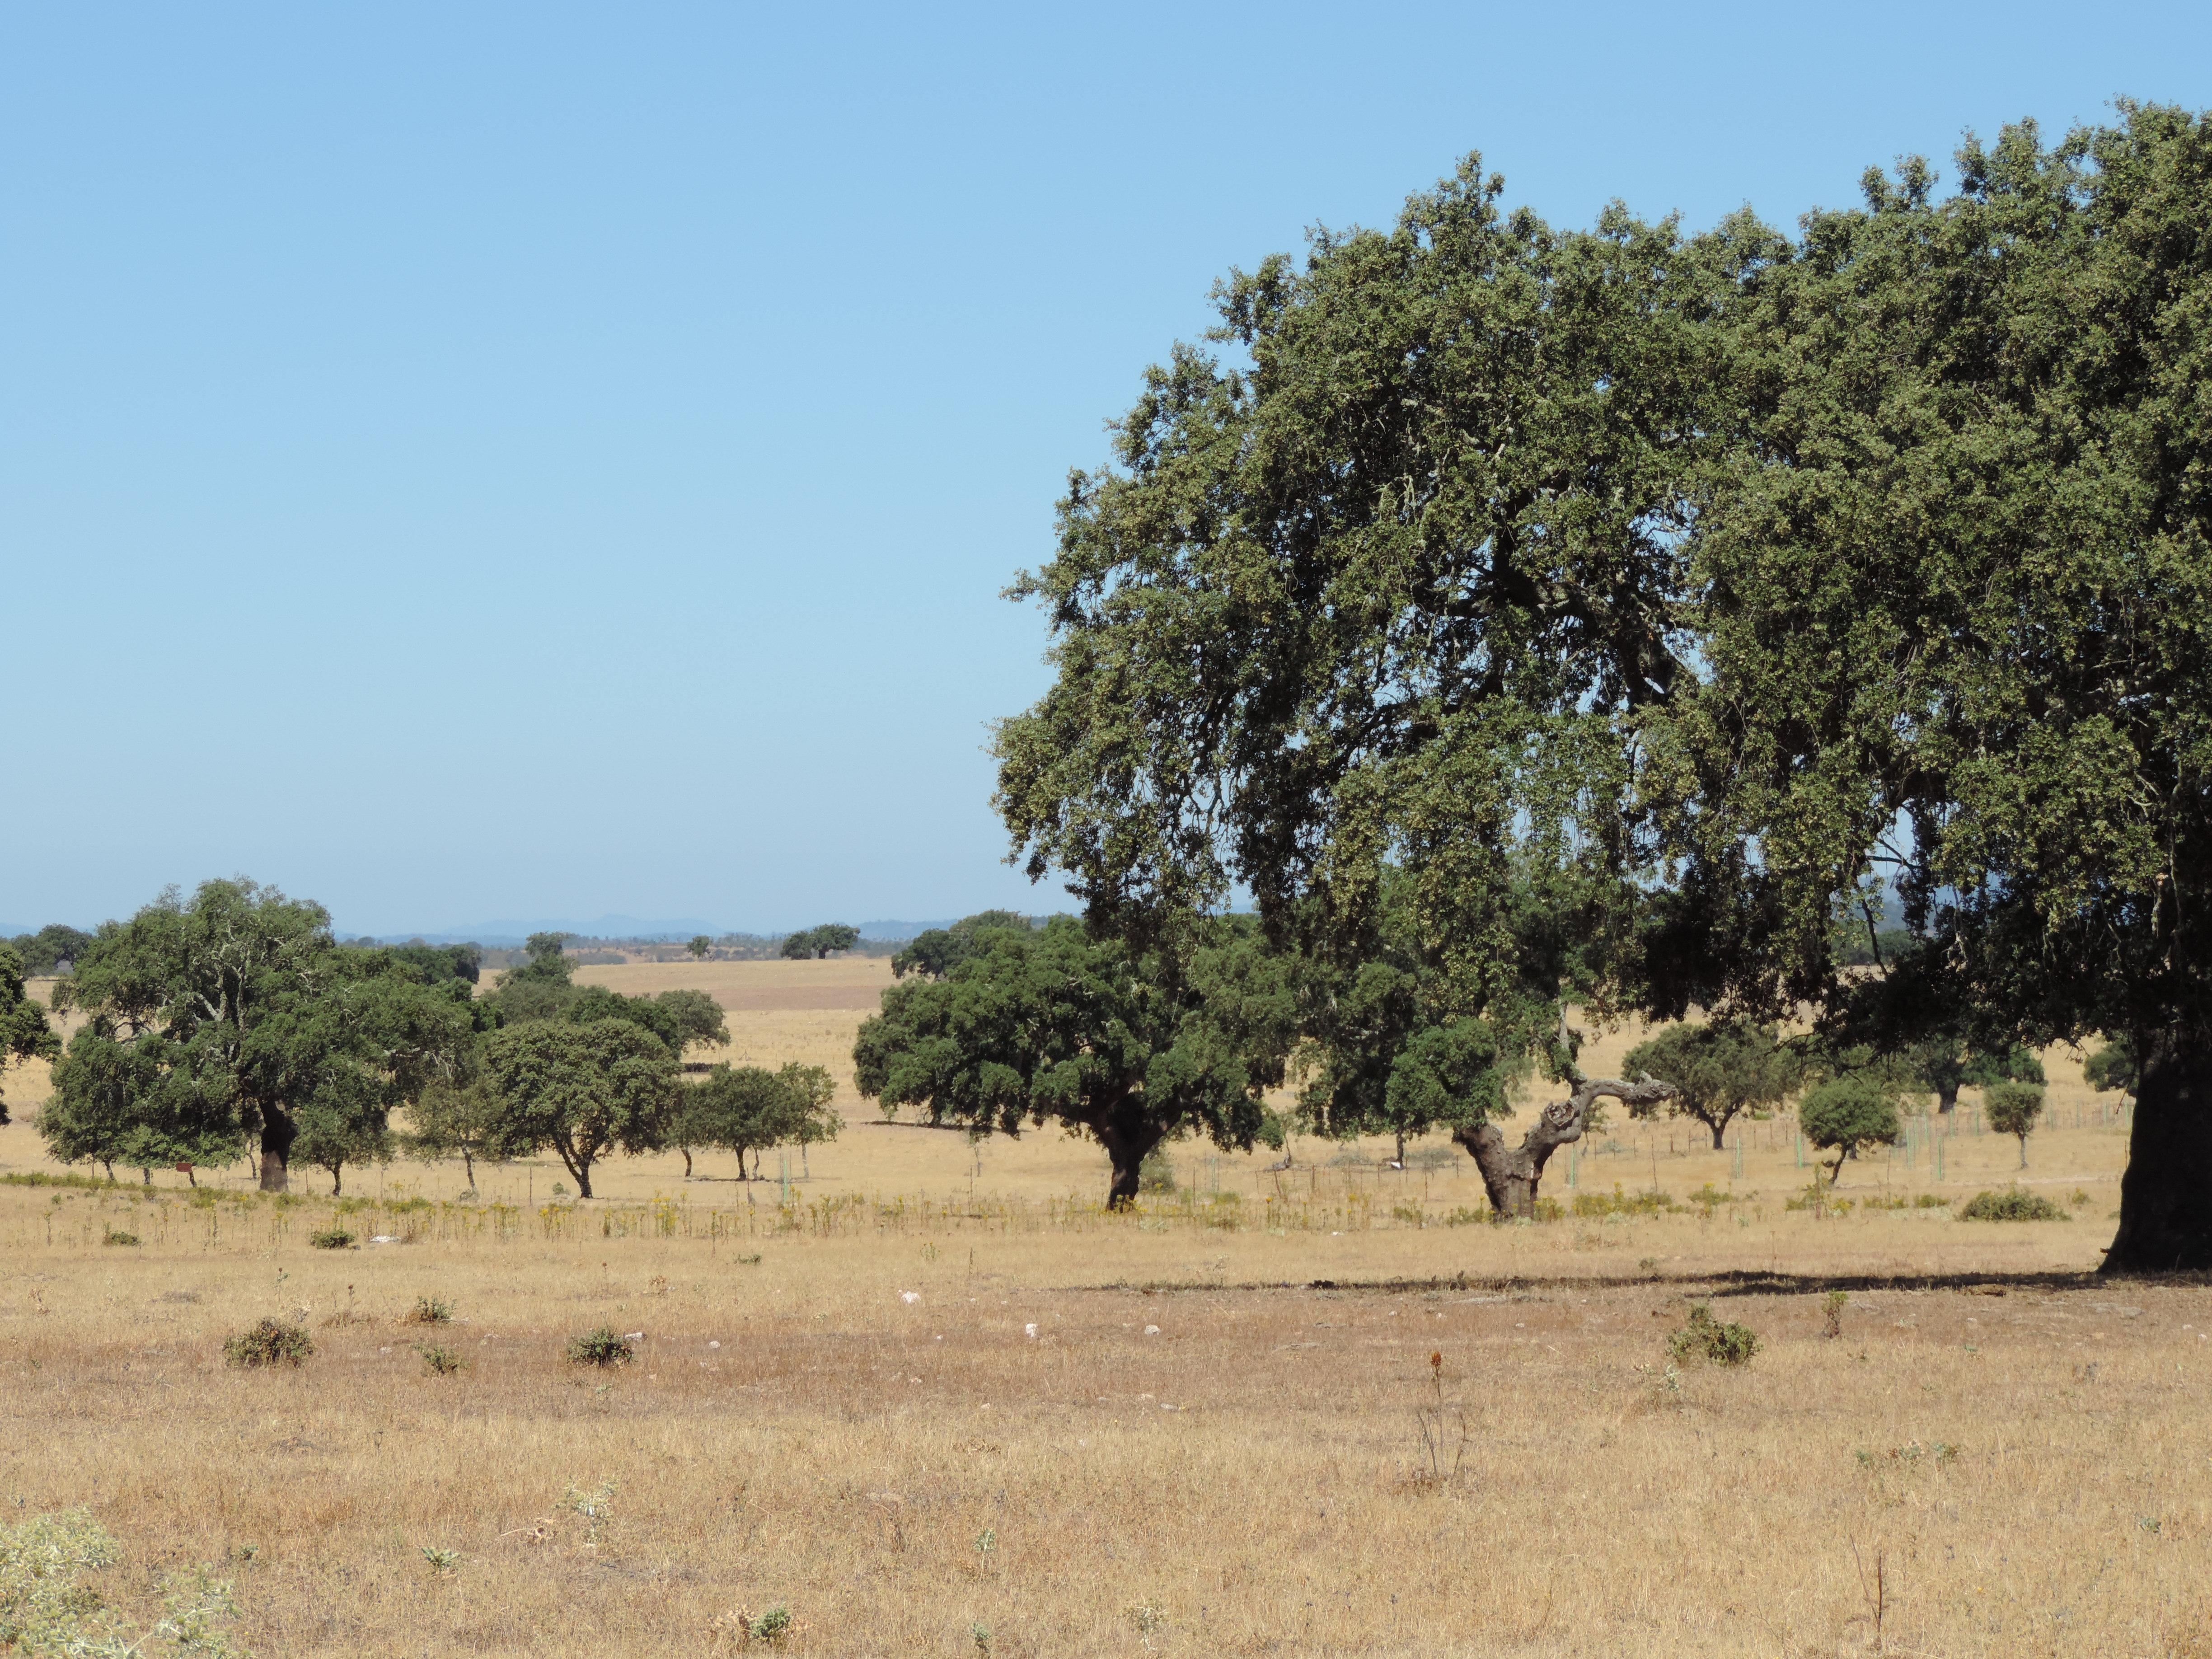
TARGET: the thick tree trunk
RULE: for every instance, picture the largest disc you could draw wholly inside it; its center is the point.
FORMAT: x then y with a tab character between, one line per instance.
338	1181
1720	1134
583	1174
1511	1174
1947	1098
2165	1196
687	1163
1128	1139
277	1133
469	1167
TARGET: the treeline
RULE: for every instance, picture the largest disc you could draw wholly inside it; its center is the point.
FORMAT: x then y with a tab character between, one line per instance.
232	1023
997	1024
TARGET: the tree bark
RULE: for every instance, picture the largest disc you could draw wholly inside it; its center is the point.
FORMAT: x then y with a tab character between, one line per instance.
1719	1127
1511	1174
277	1133
2165	1196
1128	1139
1947	1098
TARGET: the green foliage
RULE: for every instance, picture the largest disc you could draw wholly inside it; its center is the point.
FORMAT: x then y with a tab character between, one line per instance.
1373	625
747	1110
440	1361
24	1033
818	942
1157	1174
2012	1108
599	1346
46	951
1718	1070
273	1342
936	951
1129	1048
451	1120
430	1310
1847	1114
700	945
678	1018
46	1608
234	1014
2010	1205
117	1235
330	1238
2114	1065
1707	1339
583	1090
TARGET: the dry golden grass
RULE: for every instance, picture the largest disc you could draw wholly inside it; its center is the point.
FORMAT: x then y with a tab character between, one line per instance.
2017	1455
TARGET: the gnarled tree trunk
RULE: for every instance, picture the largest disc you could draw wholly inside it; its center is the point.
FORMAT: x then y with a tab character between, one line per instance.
1511	1174
278	1132
1128	1138
2165	1196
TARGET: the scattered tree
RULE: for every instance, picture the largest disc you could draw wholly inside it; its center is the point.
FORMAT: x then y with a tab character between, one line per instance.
678	1018
1057	1024
935	951
542	988
2113	1067
1952	592
1942	1064
1849	1113
2011	1110
700	945
24	1032
819	942
747	1110
583	1090
54	949
1718	1070
455	1120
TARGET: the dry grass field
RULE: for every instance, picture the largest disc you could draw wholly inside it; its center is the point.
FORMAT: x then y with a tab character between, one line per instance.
931	1400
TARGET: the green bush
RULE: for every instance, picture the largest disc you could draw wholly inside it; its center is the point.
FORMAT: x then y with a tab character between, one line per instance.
272	1342
330	1238
430	1310
1707	1339
1593	1205
441	1362
1156	1173
2010	1205
117	1236
600	1347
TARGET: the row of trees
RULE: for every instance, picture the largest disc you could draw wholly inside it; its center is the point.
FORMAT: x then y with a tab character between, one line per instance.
233	1019
1525	618
998	1023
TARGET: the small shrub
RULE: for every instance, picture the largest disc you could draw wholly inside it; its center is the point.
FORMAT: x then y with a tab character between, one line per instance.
330	1238
441	1561
2010	1205
1931	1201
600	1347
1707	1339
1156	1173
1832	1310
117	1236
1464	1217
775	1628
440	1361
1620	1203
272	1342
430	1310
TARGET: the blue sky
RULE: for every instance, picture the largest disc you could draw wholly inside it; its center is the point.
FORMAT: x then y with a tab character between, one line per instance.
471	461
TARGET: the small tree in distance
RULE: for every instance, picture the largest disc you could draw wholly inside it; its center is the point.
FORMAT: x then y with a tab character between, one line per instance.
699	946
819	942
2013	1109
1847	1114
1718	1071
24	1033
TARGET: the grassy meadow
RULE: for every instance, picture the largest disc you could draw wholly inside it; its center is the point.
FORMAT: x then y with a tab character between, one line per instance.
929	1397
